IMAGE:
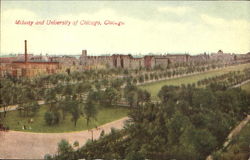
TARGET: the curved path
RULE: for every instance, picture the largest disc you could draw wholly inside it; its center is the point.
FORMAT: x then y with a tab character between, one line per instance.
27	145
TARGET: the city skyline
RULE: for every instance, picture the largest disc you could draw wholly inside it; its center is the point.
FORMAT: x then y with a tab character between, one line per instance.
148	27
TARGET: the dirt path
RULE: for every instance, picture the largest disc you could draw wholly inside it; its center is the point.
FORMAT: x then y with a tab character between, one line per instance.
14	107
26	145
242	83
236	130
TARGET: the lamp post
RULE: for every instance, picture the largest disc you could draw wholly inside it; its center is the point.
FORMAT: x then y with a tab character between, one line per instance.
92	138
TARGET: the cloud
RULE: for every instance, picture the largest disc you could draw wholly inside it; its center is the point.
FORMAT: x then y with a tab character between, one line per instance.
215	21
232	34
175	10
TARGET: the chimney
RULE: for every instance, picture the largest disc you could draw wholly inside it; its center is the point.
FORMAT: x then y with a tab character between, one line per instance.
84	52
25	51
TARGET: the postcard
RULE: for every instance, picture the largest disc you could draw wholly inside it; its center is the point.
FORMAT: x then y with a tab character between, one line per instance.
125	80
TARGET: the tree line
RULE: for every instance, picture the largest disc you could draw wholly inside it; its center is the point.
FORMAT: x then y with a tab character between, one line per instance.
227	80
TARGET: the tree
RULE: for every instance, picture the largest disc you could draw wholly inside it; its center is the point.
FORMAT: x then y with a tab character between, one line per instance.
50	97
95	96
75	111
203	98
89	111
65	106
130	94
52	118
76	144
65	150
141	78
110	96
202	140
143	96
132	98
34	107
176	127
48	157
28	103
68	90
49	118
117	83
8	94
134	156
168	92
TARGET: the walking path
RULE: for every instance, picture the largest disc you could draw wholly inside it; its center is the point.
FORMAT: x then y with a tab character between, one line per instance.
14	107
242	83
236	130
26	145
233	133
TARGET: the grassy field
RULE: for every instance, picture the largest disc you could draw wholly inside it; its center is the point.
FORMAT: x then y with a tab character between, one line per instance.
155	87
246	87
105	115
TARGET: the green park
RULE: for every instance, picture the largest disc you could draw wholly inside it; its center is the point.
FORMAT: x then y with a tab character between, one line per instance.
167	118
155	87
16	120
38	124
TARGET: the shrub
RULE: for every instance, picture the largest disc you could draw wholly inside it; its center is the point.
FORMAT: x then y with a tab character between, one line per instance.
52	118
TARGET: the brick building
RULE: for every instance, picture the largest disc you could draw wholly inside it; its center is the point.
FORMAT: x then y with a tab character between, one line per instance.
27	66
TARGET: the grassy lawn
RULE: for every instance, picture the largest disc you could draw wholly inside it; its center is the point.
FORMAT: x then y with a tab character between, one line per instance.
246	87
155	87
105	115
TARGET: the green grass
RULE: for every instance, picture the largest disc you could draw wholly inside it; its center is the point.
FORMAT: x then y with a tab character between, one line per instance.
155	87
246	87
105	115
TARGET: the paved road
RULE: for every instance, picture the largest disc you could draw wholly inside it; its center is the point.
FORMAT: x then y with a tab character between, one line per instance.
26	145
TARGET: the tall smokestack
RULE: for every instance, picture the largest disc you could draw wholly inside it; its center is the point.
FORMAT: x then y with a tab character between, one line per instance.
25	51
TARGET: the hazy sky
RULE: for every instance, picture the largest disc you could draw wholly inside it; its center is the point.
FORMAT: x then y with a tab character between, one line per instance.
149	27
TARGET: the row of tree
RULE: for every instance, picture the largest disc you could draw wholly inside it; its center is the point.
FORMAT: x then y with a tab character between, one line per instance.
228	79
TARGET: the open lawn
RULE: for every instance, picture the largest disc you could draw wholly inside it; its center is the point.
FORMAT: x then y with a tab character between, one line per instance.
246	87
105	115
155	87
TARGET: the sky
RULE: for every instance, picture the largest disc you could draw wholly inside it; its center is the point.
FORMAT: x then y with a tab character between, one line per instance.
146	27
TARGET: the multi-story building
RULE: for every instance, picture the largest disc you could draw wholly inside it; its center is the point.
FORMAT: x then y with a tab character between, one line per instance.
26	66
30	65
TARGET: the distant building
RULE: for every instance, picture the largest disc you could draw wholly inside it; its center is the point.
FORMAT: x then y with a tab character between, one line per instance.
222	57
29	65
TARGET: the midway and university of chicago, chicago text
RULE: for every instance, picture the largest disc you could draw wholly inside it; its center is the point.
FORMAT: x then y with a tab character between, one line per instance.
69	23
